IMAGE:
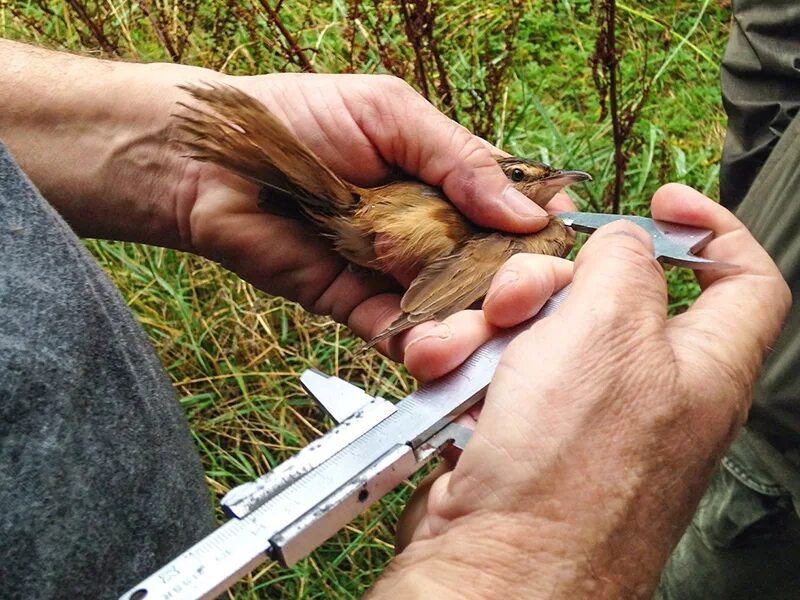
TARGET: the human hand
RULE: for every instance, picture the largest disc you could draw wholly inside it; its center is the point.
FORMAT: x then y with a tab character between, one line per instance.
362	127
93	136
603	423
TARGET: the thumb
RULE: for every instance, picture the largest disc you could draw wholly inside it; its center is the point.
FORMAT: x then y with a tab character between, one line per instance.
617	301
617	279
442	153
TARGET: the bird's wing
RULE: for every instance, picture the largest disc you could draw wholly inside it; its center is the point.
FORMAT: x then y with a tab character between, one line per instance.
451	283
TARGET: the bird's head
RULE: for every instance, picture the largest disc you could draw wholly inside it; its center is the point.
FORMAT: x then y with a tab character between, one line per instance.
538	181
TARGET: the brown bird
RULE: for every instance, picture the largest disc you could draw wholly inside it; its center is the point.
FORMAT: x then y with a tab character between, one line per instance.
457	259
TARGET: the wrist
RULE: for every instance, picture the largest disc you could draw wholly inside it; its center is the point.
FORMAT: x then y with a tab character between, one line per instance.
93	137
522	555
143	174
501	555
575	526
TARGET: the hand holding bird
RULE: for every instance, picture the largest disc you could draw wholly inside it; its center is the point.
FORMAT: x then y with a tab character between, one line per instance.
457	259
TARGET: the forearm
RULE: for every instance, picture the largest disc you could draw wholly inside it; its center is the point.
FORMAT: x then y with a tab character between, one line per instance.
92	136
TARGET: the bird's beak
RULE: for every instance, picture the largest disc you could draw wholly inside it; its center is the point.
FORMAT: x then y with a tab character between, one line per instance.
565	178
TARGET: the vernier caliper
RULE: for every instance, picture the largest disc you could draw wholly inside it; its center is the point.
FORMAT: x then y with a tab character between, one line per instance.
287	513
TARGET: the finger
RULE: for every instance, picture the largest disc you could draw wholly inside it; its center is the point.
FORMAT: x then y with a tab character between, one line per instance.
420	520
522	286
414	135
430	349
350	290
740	311
434	349
561	202
617	279
374	315
732	241
416	509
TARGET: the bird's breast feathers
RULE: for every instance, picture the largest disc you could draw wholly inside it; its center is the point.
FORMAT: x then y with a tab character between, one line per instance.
421	224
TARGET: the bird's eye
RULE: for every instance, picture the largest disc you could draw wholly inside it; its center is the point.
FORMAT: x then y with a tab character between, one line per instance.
517	175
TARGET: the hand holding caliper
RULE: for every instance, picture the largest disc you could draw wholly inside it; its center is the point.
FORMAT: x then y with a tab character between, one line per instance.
592	414
601	426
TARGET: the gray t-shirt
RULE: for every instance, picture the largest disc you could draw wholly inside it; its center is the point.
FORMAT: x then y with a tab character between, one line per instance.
99	481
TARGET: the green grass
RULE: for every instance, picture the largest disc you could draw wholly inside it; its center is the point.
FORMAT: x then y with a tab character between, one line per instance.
233	353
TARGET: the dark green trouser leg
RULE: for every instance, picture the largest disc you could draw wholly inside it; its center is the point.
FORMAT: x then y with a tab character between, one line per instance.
744	541
760	89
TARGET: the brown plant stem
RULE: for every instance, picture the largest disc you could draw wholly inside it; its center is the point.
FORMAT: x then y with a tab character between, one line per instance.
96	30
620	161
161	33
296	53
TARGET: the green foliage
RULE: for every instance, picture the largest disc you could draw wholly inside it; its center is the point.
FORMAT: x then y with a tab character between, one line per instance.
517	72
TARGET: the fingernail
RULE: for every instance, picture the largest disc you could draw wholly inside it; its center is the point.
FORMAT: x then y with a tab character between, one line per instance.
523	206
434	330
501	280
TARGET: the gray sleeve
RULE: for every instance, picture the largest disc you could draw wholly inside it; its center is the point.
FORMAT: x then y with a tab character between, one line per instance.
99	479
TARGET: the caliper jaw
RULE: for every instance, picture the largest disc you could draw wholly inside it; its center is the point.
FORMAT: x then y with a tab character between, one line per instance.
356	412
359	412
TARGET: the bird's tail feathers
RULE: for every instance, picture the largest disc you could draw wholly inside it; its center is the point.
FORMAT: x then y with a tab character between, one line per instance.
237	132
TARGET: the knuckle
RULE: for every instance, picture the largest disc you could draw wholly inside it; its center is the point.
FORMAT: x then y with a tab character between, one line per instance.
611	318
204	232
395	85
472	176
473	153
463	188
625	246
536	270
519	262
